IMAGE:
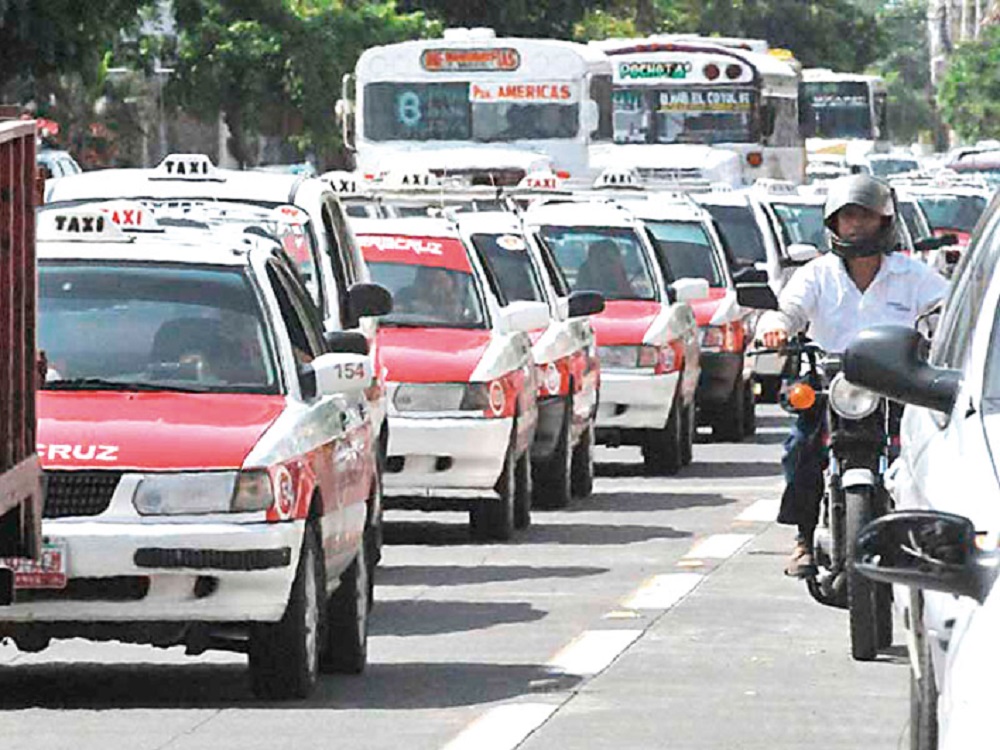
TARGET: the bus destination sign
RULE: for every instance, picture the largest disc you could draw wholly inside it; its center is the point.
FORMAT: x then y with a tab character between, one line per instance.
483	59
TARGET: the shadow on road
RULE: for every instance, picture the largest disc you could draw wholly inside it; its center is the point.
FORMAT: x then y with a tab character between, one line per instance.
731	470
94	686
428	617
637	502
459	575
443	534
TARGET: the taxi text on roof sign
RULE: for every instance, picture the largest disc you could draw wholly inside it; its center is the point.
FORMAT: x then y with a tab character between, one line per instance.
186	167
78	226
439	60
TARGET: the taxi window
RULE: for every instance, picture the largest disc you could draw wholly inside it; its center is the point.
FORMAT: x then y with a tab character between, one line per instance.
299	316
959	212
802	222
430	279
153	327
608	260
507	258
739	230
685	251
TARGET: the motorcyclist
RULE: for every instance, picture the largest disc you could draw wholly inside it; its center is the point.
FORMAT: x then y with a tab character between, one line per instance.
861	283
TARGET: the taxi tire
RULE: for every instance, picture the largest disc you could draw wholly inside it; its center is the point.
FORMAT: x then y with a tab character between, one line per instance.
582	471
689	427
522	492
284	656
554	477
749	409
923	702
493	520
661	450
860	591
345	648
729	422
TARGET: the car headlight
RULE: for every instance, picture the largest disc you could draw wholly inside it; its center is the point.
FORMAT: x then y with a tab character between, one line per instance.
851	401
431	397
627	357
199	493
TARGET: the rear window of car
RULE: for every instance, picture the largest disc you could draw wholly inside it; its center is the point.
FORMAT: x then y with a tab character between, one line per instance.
959	212
685	251
740	231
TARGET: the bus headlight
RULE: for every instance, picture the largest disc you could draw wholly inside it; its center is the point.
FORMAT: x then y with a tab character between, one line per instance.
851	401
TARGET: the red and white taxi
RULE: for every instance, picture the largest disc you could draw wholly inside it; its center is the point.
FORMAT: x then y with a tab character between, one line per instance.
209	462
459	375
564	351
647	336
687	246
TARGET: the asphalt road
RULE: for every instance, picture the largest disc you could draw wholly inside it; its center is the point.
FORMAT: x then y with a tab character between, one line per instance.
653	615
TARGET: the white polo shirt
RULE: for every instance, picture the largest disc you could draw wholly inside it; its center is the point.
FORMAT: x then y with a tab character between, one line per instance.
822	296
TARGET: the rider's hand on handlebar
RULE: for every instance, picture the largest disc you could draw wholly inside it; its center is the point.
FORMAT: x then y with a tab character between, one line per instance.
774	339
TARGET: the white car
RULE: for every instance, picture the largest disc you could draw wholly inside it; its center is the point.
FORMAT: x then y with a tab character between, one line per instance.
950	436
460	378
186	428
647	336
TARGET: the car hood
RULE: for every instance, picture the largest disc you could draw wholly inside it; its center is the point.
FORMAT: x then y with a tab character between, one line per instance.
624	321
151	431
431	355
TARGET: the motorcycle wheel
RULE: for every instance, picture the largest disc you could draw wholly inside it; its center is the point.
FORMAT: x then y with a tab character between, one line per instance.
860	591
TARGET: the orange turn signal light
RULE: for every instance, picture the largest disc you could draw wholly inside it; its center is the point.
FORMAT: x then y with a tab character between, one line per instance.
801	396
755	158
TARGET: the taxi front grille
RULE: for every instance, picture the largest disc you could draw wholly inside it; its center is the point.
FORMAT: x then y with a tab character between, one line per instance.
79	493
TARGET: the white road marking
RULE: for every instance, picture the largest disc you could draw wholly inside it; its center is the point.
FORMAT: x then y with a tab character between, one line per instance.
503	727
663	591
762	510
593	651
719	546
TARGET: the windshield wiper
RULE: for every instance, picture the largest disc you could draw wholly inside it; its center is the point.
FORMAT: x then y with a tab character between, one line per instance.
101	384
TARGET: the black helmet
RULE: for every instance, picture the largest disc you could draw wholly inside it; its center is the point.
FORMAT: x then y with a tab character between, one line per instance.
868	192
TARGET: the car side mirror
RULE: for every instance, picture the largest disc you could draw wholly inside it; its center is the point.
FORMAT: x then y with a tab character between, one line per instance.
689	290
802	252
927	550
346	342
585	303
756	296
750	275
524	316
892	361
591	116
336	373
366	299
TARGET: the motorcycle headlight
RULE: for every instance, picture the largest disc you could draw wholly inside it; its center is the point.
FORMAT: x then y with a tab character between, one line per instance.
199	493
851	401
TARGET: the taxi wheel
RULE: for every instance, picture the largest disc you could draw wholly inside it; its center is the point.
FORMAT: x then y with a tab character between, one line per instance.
661	451
582	479
284	656
689	426
522	492
493	520
923	702
749	409
729	422
345	648
553	478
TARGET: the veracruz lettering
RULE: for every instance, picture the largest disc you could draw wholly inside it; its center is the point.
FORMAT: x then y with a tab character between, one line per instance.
416	245
67	452
521	92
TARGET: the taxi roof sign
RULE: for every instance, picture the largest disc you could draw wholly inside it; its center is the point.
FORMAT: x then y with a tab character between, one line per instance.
90	225
193	167
130	216
775	187
411	180
617	177
342	182
543	179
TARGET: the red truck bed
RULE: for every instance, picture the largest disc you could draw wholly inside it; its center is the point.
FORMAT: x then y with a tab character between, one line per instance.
20	475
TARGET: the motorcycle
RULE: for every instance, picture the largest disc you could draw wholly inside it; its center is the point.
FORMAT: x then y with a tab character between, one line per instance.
860	438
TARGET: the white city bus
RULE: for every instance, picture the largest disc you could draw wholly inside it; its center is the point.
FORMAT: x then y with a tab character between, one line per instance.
843	114
487	109
697	109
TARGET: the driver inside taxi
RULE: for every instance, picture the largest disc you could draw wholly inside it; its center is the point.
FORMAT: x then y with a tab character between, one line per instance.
604	271
434	292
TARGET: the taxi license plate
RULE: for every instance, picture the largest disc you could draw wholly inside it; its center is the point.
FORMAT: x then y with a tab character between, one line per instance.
49	572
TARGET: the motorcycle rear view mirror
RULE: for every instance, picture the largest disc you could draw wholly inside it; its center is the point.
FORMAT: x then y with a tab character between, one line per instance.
927	550
892	361
750	275
756	296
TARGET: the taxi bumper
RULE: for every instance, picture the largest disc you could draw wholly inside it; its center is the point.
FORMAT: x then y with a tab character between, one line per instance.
182	571
639	401
447	453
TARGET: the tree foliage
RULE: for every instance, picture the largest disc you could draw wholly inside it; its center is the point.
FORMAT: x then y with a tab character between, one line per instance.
39	38
969	95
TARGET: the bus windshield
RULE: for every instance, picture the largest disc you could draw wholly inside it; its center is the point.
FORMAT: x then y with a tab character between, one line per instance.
691	114
463	111
836	109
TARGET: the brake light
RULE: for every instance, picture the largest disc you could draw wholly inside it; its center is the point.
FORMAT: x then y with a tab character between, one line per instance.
728	337
670	358
711	71
562	174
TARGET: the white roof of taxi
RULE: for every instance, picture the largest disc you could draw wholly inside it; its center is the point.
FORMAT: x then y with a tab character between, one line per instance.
664	207
580	213
406	227
135	184
488	221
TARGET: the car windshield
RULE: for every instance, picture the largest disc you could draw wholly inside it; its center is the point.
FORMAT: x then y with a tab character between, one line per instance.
507	259
606	260
153	327
685	251
959	212
915	222
740	232
836	109
802	223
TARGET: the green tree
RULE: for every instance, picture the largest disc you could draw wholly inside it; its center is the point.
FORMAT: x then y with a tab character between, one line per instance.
969	95
41	38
